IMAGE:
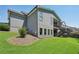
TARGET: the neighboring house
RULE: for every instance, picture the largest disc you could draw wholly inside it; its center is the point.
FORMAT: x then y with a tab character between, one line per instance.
39	21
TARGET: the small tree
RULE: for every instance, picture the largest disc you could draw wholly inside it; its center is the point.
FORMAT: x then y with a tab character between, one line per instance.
22	32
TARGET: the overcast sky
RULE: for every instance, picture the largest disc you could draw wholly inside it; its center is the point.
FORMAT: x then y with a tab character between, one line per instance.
69	14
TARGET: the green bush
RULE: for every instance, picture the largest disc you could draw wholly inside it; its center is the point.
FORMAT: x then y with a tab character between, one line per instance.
22	32
4	27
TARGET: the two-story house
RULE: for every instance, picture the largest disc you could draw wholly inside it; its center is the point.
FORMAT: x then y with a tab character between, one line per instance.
39	21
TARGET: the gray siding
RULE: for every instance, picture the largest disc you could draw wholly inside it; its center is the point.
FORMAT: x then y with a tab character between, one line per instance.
16	21
45	24
32	23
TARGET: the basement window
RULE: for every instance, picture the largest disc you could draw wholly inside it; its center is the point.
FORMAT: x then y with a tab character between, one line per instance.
41	30
44	31
48	31
51	32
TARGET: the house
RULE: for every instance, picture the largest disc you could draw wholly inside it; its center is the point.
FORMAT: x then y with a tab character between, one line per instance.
40	21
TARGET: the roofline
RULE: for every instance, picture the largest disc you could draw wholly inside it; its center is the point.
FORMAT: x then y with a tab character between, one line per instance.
20	13
32	10
51	11
37	7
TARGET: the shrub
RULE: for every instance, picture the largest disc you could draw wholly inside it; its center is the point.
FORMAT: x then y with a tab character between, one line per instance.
75	34
22	32
4	27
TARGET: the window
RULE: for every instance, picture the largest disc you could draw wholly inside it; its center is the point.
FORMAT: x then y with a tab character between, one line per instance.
51	32
51	20
48	31
41	30
44	31
41	16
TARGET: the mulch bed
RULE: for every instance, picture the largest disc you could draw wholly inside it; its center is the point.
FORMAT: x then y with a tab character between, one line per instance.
29	39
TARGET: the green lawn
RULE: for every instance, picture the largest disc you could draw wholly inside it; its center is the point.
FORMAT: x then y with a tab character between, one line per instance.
44	46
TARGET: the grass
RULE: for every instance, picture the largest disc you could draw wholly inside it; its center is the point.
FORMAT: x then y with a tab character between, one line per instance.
43	46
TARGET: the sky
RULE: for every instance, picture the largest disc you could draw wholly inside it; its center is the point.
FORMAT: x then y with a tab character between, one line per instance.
67	13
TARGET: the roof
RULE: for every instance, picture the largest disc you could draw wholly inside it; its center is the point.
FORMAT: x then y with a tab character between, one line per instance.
45	9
